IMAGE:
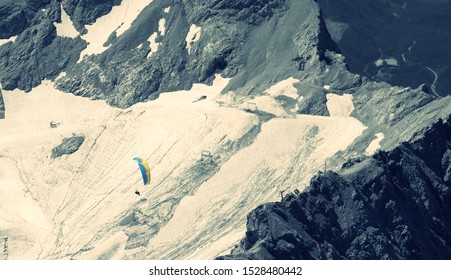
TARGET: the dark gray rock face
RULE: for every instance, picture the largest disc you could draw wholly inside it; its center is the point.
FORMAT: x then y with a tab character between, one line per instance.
252	12
84	12
17	15
225	26
49	57
244	39
68	146
38	52
394	205
410	33
256	42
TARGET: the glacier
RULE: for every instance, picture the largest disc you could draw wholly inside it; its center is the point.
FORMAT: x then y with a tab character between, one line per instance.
80	205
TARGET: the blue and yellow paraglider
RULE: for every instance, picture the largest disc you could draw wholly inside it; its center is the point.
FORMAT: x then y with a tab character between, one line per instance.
145	171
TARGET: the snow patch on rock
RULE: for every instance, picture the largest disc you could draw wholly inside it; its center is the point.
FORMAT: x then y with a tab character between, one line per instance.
66	27
153	45
10	39
285	87
387	61
374	146
339	105
192	36
161	26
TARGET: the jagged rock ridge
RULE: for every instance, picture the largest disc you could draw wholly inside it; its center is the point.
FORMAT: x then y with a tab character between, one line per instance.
256	42
37	50
394	205
86	12
225	27
17	15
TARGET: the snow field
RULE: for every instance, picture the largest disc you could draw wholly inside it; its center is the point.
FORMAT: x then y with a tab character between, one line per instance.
82	200
86	192
283	157
21	218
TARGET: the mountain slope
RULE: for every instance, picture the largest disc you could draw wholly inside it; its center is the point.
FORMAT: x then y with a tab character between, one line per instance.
394	205
399	42
276	104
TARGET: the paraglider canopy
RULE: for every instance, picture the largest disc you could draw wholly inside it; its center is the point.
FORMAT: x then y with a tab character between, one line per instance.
145	170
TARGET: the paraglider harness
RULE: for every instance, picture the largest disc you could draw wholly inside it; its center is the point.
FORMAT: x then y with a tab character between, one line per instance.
137	192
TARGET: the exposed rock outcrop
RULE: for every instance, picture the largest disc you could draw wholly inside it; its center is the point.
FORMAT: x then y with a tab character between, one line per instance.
224	27
68	146
84	12
38	52
17	15
394	205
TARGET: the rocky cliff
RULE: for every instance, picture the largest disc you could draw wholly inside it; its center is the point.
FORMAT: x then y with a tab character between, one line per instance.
17	15
174	61
394	205
173	44
36	49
